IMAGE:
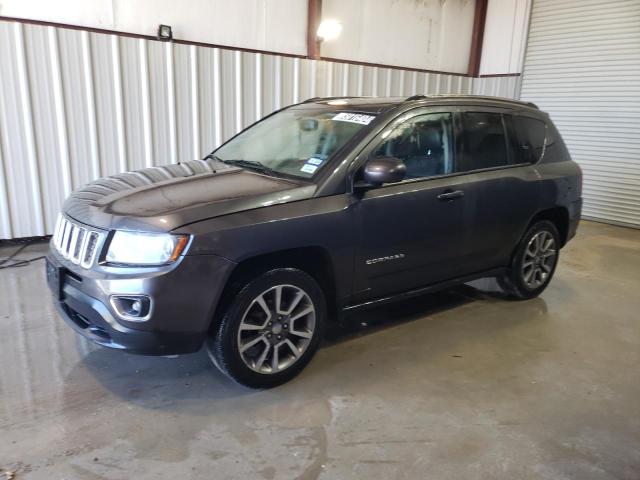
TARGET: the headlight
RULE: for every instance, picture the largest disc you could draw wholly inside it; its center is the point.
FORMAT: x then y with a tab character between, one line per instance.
130	248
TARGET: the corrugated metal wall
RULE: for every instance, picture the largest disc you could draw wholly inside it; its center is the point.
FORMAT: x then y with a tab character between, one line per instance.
583	67
76	105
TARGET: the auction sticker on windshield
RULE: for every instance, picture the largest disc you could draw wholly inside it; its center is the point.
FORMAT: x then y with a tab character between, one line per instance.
360	118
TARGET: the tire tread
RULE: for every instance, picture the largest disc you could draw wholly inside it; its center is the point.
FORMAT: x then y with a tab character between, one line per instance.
510	282
218	343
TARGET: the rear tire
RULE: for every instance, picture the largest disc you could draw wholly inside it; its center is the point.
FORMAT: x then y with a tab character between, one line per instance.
271	329
534	262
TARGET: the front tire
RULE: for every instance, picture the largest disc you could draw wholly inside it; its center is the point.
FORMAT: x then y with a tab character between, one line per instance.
533	263
271	329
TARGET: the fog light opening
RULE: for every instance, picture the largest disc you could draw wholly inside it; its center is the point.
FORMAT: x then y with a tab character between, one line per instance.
134	308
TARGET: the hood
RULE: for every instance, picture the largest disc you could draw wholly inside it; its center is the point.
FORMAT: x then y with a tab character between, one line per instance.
160	199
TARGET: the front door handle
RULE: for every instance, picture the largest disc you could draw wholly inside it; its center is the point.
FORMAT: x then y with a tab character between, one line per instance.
451	195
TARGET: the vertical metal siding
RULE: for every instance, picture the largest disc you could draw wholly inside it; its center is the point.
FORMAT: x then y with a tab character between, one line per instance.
583	67
76	105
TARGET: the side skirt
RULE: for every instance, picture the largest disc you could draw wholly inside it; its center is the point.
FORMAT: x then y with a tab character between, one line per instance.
424	290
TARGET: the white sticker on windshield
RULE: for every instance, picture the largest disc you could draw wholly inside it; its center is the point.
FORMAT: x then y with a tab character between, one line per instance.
360	118
315	161
308	168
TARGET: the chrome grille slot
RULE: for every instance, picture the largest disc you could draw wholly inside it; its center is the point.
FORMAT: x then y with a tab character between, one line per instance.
56	232
90	249
74	242
64	245
63	228
75	256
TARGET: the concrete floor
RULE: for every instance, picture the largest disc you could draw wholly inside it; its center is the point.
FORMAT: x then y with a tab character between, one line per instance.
458	385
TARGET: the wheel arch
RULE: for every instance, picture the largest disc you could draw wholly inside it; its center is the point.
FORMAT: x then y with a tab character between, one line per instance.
313	260
559	216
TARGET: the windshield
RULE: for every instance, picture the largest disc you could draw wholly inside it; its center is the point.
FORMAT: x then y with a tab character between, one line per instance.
293	142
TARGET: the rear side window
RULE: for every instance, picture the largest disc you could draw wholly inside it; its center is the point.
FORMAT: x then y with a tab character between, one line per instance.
531	134
484	142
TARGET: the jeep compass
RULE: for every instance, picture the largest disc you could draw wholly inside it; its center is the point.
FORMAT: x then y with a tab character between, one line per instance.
320	208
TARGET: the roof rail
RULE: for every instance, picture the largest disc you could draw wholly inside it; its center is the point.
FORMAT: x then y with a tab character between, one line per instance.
439	96
324	99
506	100
480	97
415	97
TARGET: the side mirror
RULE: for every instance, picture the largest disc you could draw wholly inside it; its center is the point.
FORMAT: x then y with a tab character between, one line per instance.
381	170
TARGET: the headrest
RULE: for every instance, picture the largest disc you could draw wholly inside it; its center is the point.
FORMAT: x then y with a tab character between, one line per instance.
430	138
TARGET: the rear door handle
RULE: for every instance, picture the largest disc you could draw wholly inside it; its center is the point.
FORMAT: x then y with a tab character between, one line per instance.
451	195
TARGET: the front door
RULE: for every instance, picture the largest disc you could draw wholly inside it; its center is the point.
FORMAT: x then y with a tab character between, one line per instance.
415	232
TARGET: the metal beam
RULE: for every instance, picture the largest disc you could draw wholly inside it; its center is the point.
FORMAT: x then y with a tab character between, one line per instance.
314	13
475	52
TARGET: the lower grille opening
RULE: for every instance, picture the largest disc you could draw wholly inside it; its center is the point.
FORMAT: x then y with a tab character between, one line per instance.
77	318
70	274
100	332
84	323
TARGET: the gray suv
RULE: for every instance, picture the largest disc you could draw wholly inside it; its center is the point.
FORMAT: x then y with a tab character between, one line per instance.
321	208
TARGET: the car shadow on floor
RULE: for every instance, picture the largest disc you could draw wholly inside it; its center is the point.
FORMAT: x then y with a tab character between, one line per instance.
367	321
190	381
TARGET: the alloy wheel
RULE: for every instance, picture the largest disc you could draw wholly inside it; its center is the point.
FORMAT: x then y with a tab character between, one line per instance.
276	329
538	260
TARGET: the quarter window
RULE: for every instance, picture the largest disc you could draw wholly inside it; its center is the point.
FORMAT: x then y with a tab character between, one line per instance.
484	142
531	135
423	143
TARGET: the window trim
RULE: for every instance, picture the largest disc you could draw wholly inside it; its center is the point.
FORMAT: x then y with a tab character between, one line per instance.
510	137
456	111
451	175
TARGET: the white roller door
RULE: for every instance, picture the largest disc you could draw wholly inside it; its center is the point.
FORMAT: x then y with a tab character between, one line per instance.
582	66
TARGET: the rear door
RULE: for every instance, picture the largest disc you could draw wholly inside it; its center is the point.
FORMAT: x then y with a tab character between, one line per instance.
502	185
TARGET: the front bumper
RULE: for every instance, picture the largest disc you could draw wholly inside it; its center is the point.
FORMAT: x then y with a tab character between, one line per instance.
184	299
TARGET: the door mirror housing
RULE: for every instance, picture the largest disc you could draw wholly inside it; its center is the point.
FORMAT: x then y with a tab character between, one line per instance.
380	170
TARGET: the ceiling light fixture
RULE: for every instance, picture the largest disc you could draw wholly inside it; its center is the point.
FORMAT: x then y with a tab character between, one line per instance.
165	32
328	30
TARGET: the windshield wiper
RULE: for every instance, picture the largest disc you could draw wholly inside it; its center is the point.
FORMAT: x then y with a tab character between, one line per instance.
252	165
212	156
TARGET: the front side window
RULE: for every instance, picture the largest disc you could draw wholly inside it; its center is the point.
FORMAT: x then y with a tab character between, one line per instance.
423	143
296	142
484	142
